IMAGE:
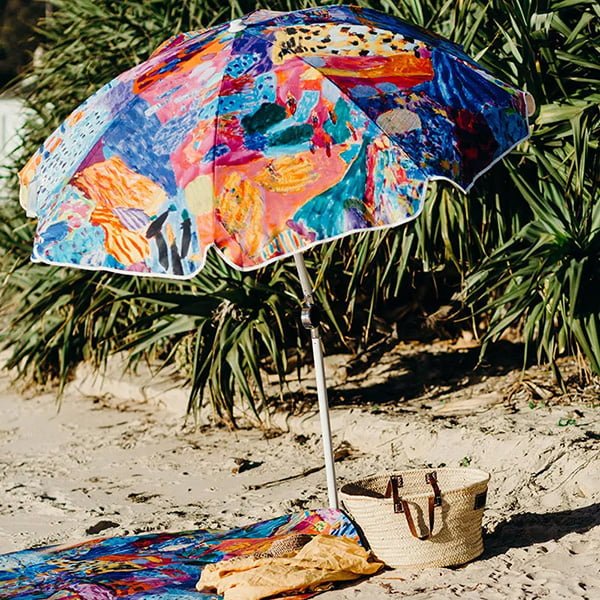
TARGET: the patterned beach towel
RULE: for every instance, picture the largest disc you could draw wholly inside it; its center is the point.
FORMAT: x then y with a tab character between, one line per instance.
156	566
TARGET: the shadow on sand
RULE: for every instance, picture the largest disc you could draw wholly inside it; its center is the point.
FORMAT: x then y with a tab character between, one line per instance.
413	374
528	528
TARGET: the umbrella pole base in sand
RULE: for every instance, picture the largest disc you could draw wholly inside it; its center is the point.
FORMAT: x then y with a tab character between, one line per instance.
311	322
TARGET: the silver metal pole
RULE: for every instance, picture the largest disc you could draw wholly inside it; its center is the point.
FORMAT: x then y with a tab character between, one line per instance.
308	304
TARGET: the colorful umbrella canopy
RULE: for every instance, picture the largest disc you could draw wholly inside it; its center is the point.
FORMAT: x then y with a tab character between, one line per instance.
264	137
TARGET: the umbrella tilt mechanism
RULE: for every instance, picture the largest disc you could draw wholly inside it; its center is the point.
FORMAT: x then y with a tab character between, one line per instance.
310	316
310	321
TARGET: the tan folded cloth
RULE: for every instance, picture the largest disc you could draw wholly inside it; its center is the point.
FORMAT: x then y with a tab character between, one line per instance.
324	559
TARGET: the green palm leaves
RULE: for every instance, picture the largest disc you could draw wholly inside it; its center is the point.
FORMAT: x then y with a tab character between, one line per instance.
545	276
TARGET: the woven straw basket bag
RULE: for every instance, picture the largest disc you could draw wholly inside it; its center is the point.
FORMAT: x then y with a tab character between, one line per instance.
420	518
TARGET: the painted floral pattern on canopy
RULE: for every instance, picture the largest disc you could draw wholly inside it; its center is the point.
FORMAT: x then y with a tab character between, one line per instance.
263	137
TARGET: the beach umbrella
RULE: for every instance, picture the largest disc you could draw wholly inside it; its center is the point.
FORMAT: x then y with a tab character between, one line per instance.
263	137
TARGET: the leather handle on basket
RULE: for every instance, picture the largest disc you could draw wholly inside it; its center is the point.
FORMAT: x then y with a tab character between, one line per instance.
402	506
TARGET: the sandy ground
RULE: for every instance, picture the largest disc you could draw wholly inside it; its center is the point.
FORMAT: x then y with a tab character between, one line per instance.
119	459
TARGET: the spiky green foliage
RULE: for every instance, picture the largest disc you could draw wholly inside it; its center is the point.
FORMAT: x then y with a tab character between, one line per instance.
546	277
527	232
235	323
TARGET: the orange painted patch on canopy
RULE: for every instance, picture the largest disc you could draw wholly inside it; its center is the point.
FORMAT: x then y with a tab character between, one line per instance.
126	246
287	186
111	183
405	66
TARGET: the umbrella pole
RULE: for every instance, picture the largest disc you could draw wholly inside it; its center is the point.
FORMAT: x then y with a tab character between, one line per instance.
310	321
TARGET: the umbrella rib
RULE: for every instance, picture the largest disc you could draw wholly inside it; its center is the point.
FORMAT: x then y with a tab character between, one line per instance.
349	99
214	169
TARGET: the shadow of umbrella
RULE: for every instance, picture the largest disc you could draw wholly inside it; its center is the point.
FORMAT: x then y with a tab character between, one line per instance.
527	529
409	376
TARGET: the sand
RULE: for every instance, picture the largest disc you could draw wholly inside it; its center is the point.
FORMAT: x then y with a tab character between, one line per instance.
118	458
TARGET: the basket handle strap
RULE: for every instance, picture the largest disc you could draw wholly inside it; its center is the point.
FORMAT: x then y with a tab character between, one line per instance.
392	490
402	506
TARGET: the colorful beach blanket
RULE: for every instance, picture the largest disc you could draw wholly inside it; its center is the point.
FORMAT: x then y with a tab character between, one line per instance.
156	566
